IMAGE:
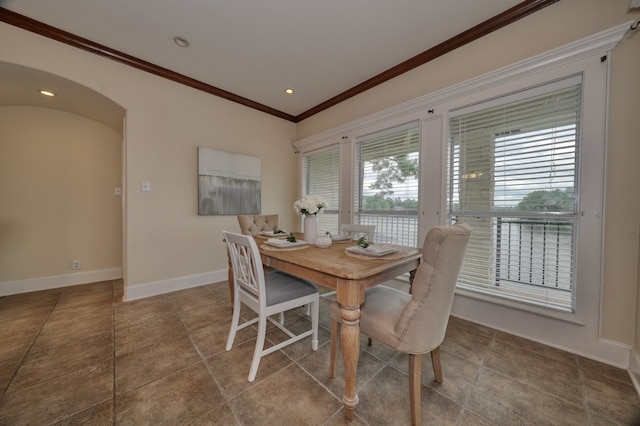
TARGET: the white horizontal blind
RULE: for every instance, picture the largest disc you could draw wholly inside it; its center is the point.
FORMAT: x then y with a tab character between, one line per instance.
513	177
386	166
321	176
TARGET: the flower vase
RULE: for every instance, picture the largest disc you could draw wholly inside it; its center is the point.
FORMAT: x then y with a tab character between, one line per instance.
310	228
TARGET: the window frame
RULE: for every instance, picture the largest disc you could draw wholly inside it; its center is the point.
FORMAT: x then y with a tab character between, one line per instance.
590	205
509	284
303	186
356	161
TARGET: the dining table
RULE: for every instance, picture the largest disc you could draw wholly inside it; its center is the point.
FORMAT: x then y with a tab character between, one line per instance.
349	273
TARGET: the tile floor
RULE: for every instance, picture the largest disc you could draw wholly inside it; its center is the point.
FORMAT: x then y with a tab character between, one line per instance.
79	355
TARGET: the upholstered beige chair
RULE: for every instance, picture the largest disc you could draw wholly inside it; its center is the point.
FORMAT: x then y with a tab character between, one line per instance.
251	224
267	295
414	323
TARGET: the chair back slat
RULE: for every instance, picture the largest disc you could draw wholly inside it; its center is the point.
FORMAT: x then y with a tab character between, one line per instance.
357	230
248	271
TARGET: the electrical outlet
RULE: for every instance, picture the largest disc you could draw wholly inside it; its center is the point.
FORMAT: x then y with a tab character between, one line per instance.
75	264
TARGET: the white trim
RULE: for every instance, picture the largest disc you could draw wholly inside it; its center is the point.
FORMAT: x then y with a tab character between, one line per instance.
598	43
56	281
514	304
542	89
144	290
529	325
634	369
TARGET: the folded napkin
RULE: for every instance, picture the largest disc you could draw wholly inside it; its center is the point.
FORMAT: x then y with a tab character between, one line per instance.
273	234
380	248
278	241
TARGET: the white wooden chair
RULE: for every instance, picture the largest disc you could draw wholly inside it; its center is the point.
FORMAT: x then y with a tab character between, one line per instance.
267	295
252	224
357	230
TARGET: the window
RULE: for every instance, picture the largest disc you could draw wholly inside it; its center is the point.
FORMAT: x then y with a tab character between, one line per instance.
386	169
321	176
519	153
512	175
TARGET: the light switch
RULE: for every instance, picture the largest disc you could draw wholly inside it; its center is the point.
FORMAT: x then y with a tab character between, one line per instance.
146	186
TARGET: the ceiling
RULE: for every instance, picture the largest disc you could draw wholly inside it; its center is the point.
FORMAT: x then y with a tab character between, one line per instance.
250	51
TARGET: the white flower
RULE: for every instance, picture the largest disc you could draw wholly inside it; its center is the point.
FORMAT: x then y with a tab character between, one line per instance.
310	205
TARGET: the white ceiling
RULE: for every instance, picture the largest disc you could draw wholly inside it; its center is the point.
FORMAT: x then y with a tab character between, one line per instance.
257	48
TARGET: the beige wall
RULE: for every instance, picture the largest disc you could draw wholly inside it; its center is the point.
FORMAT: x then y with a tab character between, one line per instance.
554	26
57	182
165	239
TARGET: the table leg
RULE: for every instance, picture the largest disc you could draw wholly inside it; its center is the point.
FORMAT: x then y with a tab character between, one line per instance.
230	278
350	349
412	275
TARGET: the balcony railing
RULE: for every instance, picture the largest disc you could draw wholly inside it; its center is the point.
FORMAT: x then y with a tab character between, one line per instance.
394	227
526	258
534	252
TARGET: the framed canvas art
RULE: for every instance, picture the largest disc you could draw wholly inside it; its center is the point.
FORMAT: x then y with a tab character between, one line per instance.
228	183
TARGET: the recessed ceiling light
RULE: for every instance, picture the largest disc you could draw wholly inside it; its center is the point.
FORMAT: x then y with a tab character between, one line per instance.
46	93
289	91
181	41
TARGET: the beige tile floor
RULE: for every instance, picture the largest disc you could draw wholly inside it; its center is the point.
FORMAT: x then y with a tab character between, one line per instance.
79	355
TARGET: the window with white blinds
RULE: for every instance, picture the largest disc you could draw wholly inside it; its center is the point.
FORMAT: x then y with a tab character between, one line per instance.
386	172
321	176
512	175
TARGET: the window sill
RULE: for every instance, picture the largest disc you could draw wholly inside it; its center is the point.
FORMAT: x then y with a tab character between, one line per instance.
480	295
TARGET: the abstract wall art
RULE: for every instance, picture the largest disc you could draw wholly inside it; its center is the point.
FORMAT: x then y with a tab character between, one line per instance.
228	183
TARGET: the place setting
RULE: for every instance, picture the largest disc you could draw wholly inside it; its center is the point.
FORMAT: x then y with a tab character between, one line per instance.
365	250
286	242
342	238
374	251
276	233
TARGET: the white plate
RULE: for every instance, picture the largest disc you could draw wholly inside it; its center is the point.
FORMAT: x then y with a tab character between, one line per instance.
341	238
285	243
272	235
374	251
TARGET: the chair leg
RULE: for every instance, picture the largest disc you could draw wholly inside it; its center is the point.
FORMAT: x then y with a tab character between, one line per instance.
235	319
315	314
437	365
335	330
415	387
257	353
231	288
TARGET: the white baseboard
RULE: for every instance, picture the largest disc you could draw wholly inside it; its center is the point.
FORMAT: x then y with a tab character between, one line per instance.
571	336
141	291
8	288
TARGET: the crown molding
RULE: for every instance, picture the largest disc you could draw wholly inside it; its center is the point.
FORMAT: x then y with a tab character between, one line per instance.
507	17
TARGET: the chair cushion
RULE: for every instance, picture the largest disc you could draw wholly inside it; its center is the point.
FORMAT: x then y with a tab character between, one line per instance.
379	313
281	287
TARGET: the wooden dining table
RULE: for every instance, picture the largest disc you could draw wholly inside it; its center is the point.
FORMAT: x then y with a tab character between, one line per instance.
350	276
